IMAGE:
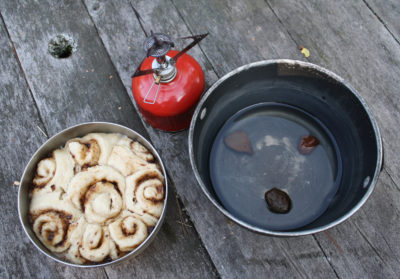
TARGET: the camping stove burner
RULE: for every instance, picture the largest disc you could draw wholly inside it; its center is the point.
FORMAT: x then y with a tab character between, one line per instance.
157	45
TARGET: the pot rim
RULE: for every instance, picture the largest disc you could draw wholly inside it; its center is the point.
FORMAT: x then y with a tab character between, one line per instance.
32	160
317	68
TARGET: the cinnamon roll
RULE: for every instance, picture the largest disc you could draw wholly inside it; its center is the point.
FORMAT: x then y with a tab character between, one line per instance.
128	232
52	229
96	199
85	153
126	161
51	217
137	149
92	149
145	192
54	173
98	193
73	254
95	244
148	219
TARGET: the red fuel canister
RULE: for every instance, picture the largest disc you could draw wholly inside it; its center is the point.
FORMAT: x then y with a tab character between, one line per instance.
168	84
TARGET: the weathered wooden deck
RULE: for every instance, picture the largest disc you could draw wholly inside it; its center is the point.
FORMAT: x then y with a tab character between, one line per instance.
40	95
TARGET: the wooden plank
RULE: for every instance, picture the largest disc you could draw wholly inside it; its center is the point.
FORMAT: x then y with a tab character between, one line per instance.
360	50
21	135
86	87
369	241
257	255
388	12
367	246
240	32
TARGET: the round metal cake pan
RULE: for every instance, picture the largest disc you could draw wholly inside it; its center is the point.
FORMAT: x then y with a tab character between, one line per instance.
58	141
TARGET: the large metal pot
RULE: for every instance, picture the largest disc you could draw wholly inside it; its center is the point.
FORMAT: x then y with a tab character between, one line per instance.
319	93
58	141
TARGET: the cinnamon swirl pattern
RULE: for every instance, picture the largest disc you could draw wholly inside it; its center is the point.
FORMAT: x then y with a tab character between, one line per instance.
97	198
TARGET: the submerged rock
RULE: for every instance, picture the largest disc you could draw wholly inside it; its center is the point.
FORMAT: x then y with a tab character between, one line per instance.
278	201
307	144
239	141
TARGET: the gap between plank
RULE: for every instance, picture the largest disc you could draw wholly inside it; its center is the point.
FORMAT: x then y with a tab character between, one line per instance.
192	33
390	247
144	124
185	215
281	23
45	132
326	257
109	56
297	268
105	272
139	18
381	21
370	244
391	178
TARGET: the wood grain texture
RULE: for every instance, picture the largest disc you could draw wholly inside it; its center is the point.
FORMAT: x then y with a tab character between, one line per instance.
19	138
361	50
235	251
351	38
86	87
388	12
367	246
370	240
241	32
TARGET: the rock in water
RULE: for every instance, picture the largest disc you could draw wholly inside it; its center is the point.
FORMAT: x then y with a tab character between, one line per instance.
278	201
239	141
307	144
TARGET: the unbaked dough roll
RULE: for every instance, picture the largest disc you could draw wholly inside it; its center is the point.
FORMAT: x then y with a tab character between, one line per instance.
124	160
95	244
84	238
54	173
137	149
98	193
145	192
128	232
53	202
102	202
73	253
51	216
52	229
85	153
92	149
148	219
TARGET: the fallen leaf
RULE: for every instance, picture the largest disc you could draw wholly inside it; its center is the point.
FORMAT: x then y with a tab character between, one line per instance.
305	51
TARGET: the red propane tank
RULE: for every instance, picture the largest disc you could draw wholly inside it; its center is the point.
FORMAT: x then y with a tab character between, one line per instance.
169	106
